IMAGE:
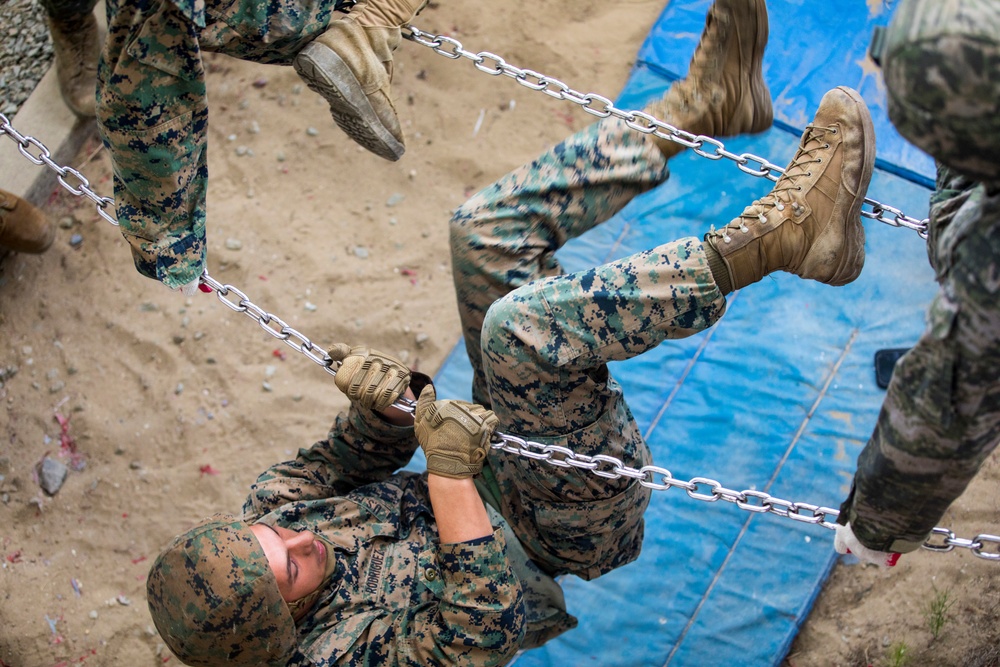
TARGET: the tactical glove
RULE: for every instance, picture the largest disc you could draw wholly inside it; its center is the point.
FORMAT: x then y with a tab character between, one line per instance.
373	379
454	435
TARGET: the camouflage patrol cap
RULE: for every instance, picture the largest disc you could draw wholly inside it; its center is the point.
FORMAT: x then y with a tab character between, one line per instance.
215	601
941	65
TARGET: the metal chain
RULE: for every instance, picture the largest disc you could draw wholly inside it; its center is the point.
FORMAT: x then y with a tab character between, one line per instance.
601	465
640	121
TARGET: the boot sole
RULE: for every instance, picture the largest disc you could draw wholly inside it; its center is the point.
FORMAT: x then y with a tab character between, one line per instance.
327	74
853	258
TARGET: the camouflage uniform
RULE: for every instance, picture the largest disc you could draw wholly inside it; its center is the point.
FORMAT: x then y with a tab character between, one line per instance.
539	340
153	114
941	416
395	596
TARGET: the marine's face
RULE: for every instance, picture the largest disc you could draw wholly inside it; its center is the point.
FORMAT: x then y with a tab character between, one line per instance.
297	558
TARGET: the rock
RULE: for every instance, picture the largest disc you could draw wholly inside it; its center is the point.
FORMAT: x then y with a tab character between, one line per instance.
51	475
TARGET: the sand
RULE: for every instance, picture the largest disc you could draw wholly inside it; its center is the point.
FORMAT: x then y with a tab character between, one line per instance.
172	405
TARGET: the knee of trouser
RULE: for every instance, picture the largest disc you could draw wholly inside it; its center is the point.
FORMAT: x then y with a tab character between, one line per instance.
515	335
942	85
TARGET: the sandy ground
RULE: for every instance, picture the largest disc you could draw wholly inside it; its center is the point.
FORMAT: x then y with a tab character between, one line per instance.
166	408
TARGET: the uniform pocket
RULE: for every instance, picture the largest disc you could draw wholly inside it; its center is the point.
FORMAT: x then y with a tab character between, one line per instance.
594	537
156	167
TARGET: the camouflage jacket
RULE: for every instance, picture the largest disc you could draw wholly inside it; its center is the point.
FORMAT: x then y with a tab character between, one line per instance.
152	111
396	595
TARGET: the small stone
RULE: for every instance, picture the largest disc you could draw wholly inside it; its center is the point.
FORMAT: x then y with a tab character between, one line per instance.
231	137
254	127
312	131
198	335
51	475
233	244
280	156
421	339
269	371
394	199
122	600
260	83
76	240
311	307
393	221
178	340
93	614
66	222
404	355
135	465
296	89
266	386
241	150
361	252
56	387
179	389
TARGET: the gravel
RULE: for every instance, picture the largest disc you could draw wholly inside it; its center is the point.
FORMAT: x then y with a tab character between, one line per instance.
25	52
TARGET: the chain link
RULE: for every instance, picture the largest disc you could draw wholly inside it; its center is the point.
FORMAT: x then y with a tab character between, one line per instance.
601	465
757	502
600	106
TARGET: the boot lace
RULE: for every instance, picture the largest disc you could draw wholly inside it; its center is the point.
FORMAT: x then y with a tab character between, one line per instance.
780	197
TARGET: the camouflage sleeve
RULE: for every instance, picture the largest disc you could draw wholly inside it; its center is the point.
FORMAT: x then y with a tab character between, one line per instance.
360	448
153	118
478	619
941	416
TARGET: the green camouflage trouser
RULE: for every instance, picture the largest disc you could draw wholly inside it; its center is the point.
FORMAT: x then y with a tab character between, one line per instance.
539	340
941	416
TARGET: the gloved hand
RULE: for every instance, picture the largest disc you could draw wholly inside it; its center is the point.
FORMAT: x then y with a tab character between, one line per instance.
454	435
371	378
845	542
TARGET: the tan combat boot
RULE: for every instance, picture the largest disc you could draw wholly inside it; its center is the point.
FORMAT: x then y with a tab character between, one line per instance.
810	223
77	46
23	228
351	66
724	93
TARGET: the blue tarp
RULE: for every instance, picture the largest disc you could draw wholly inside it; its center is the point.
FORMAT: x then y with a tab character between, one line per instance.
779	397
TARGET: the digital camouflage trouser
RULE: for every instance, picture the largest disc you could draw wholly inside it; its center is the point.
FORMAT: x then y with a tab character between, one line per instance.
941	416
539	340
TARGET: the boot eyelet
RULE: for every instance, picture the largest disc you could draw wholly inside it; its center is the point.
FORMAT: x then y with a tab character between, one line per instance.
798	187
819	160
826	145
808	175
833	131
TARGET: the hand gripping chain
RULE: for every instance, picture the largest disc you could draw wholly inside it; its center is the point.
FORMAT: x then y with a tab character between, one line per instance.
609	467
